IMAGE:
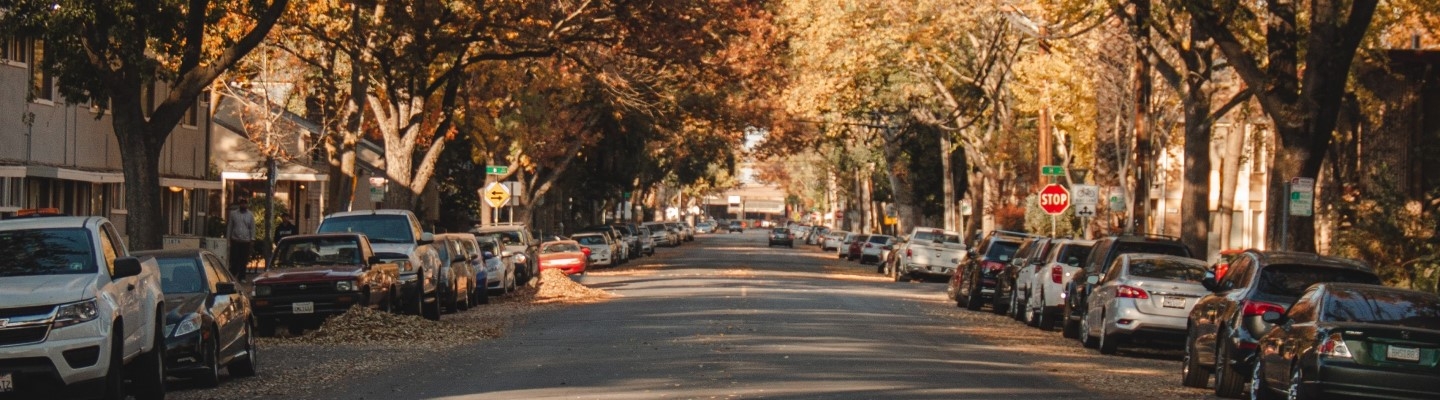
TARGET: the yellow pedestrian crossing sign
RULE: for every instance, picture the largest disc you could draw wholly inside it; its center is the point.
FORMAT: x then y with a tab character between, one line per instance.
496	194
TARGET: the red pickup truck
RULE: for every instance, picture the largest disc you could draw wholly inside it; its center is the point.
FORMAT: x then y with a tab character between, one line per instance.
315	276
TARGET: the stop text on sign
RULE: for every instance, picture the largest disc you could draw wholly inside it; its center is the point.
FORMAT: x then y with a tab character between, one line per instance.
1054	199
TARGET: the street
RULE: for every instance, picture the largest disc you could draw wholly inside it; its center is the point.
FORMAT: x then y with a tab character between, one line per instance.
726	317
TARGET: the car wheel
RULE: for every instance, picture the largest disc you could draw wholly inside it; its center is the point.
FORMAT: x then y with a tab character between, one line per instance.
973	301
1297	385
1108	343
210	376
1191	373
1258	389
295	328
244	366
1228	382
998	304
431	310
482	296
1069	328
114	388
463	301
415	304
265	328
1086	340
511	282
1017	306
149	380
1032	316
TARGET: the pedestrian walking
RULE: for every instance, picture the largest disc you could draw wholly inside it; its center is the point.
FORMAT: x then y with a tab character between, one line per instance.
241	232
285	228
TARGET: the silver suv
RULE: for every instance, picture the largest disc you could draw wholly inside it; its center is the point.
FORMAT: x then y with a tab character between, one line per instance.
520	248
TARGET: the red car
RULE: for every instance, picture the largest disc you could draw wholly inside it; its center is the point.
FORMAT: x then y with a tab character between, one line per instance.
853	253
316	276
566	255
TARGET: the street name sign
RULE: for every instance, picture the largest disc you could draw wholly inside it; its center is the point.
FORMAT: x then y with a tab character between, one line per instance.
1052	170
496	170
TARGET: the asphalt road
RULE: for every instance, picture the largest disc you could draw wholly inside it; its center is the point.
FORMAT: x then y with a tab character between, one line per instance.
727	317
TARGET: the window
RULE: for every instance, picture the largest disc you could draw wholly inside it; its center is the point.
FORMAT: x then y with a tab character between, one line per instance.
42	85
15	50
110	246
192	116
147	99
11	192
117	193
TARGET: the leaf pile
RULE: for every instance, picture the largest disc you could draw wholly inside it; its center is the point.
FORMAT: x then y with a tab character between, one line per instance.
557	287
360	325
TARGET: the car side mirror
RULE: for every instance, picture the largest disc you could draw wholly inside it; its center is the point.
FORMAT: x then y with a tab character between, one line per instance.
1092	279
426	238
374	260
224	288
1209	282
1273	317
459	259
126	267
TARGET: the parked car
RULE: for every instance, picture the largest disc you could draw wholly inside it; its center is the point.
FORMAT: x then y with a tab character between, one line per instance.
1044	296
1142	297
647	241
681	230
662	234
458	287
833	240
876	248
781	237
1104	252
1008	286
974	282
705	227
928	252
499	274
843	249
79	309
209	324
1351	340
565	255
312	277
737	226
1226	324
396	236
852	252
602	250
631	233
483	263
621	247
518	247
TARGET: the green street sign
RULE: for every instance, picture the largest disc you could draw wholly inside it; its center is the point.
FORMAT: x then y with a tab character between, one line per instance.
496	170
1052	170
625	195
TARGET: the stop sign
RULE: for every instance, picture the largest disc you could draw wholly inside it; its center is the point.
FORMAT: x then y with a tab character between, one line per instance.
1054	199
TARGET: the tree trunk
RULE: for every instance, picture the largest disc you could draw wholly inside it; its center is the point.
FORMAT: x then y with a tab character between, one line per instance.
952	212
1195	196
900	182
1144	171
141	164
1234	142
1295	158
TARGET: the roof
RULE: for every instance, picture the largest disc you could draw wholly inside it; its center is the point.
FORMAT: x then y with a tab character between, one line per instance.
1270	257
371	212
171	253
294	238
47	222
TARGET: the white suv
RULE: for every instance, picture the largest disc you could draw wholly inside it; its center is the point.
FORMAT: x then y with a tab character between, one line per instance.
78	311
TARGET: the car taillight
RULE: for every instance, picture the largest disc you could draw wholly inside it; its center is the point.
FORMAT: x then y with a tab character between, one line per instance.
869	246
585	250
1252	308
1056	273
1131	292
993	266
1334	346
908	253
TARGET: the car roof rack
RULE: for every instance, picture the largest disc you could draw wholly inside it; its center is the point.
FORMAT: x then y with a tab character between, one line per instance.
1146	236
38	213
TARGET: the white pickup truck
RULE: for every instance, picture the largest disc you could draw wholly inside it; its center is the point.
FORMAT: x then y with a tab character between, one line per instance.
76	311
928	252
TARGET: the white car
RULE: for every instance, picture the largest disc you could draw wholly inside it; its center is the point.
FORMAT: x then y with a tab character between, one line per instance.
1142	296
876	248
602	251
77	307
1043	296
843	250
833	240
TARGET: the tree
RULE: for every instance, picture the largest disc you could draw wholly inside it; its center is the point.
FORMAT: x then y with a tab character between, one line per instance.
1299	74
111	51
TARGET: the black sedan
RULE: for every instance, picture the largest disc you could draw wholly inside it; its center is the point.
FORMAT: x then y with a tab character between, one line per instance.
1343	340
782	237
208	322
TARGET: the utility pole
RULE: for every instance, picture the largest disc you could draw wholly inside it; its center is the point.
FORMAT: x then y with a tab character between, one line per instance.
1144	173
1045	135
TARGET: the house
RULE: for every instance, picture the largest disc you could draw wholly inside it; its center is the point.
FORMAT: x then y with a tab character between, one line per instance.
63	154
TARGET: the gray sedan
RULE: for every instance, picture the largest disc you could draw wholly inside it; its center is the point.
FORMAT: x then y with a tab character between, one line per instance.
1142	297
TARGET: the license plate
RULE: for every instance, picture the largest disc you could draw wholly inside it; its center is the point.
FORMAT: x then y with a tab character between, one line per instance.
303	308
7	383
1402	353
1173	302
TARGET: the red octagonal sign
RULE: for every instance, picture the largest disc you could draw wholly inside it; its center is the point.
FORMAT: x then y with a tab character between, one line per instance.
1054	199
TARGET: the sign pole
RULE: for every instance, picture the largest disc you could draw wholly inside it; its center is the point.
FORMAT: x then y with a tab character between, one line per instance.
1285	224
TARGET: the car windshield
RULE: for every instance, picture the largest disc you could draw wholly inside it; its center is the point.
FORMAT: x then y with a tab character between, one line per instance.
317	251
560	248
379	228
46	252
1168	269
1292	279
1391	307
1001	251
780	231
879	239
936	236
181	275
590	239
1072	254
1150	248
506	237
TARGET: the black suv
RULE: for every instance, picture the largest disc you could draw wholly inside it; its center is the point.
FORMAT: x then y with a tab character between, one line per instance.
1225	326
976	279
1104	253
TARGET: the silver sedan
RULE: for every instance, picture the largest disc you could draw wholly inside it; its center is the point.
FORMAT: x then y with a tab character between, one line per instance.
1142	297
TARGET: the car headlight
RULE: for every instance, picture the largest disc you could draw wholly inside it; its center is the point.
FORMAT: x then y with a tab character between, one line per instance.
189	325
76	313
520	258
262	290
345	286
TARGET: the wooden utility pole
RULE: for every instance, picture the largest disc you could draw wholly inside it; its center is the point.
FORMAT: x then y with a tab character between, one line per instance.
1046	155
1144	170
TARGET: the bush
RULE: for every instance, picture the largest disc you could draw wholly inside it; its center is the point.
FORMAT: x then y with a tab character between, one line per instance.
1037	221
